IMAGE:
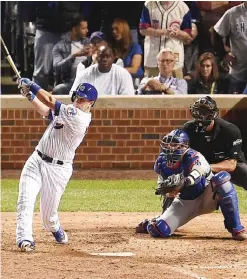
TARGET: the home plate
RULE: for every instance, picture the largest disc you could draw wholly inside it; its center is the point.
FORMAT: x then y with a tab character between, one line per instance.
114	254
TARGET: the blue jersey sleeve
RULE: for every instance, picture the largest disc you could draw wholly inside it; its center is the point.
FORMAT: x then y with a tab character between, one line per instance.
145	21
186	23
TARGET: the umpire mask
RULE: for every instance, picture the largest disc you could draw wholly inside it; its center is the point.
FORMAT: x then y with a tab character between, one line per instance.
204	111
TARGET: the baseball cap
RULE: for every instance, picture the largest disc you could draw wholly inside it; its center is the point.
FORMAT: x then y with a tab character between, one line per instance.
100	36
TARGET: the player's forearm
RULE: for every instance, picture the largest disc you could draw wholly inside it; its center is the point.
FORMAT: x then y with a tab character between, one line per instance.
46	98
40	107
153	32
227	165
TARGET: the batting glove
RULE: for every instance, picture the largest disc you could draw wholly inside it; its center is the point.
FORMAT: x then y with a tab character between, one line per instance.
26	83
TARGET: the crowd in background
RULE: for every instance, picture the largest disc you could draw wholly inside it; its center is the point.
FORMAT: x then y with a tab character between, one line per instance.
152	47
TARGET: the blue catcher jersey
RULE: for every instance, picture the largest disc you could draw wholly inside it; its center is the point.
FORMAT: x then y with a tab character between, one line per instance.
192	160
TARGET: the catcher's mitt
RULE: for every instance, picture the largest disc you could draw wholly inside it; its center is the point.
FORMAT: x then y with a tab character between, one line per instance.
174	183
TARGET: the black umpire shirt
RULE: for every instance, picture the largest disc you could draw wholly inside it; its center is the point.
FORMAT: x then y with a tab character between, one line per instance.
223	142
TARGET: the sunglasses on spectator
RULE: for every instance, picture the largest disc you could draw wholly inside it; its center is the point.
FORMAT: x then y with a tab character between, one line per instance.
167	61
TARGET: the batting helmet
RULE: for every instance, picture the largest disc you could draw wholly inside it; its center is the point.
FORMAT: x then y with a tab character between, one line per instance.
85	90
204	110
174	146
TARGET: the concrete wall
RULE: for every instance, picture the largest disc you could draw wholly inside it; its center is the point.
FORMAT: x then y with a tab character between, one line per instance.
124	132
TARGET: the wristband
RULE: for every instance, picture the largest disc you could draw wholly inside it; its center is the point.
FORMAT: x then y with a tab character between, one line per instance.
34	87
30	96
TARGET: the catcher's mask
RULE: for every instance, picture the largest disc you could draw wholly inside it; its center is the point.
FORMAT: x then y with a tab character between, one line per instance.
85	91
174	145
204	111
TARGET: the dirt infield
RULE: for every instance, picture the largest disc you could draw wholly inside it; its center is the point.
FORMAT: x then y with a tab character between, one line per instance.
201	249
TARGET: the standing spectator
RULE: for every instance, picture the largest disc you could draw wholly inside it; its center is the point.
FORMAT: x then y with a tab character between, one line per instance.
164	83
234	24
206	80
53	21
108	78
191	46
68	53
165	24
123	47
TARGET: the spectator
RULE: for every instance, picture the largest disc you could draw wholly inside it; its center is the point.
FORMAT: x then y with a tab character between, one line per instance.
206	80
53	21
97	39
245	90
191	46
234	24
124	48
164	24
104	13
164	83
108	78
68	53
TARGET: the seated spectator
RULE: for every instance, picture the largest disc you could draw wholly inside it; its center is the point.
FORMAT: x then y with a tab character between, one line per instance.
206	80
107	77
164	83
68	53
125	48
97	39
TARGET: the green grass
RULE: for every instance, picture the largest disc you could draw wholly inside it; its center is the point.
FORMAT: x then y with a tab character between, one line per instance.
102	195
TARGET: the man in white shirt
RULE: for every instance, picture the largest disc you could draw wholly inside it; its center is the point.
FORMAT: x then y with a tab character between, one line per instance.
107	77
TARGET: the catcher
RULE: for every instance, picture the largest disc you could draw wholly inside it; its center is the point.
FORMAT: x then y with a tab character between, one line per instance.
186	172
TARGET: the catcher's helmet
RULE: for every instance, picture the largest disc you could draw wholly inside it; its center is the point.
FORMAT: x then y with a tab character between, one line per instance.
85	90
174	145
204	111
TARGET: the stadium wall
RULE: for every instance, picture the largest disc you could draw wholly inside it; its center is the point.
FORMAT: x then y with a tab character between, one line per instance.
124	132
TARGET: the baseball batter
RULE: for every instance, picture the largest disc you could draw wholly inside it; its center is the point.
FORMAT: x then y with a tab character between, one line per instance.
184	170
49	168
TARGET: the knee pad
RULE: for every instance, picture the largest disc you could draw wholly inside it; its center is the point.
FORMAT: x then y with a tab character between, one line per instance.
228	200
158	228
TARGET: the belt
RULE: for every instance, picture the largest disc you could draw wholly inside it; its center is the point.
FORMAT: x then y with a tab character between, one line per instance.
49	159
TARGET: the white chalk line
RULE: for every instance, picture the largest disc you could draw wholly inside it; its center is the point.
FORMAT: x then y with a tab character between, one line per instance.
185	272
222	266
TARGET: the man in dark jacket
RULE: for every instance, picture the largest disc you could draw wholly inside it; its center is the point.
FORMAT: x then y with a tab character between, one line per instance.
68	53
53	20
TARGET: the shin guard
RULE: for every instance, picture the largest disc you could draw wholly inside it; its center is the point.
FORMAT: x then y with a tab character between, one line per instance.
228	201
158	228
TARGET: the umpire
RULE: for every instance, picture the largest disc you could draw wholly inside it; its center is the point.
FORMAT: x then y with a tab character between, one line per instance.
218	140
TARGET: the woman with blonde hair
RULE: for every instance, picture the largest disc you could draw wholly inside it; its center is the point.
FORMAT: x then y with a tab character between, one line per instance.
206	79
126	49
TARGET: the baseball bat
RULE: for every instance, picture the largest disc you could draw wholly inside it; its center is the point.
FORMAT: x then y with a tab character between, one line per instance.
10	60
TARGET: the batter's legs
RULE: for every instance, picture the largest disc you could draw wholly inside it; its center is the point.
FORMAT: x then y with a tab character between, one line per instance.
54	181
29	187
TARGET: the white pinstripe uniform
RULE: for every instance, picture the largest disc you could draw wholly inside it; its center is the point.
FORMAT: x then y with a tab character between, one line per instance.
60	140
155	16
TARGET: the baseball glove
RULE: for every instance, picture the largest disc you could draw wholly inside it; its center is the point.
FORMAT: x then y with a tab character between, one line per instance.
174	183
